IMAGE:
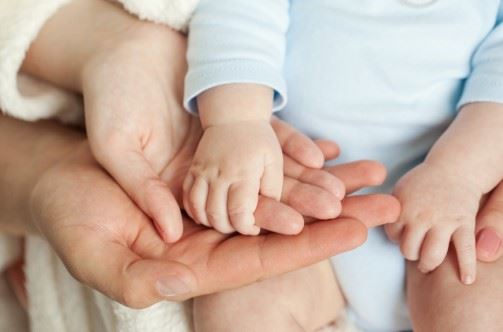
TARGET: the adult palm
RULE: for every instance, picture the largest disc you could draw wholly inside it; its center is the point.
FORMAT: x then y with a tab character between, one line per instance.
108	243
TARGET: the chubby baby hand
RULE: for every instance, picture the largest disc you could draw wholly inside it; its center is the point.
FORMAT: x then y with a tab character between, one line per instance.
233	164
437	207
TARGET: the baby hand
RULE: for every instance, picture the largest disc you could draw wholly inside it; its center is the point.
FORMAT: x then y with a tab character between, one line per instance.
437	207
233	164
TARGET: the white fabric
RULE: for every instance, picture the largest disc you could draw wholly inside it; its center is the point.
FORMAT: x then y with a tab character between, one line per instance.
21	96
12	316
174	13
57	302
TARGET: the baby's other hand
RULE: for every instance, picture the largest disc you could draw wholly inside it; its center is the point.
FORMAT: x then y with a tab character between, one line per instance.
437	207
233	164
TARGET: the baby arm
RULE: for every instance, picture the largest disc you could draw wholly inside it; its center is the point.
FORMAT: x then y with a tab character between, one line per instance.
238	158
440	197
235	55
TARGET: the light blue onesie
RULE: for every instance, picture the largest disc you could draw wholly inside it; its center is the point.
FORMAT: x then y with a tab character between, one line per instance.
383	78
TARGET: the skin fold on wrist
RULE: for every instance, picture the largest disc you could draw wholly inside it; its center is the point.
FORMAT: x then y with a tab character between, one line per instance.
235	103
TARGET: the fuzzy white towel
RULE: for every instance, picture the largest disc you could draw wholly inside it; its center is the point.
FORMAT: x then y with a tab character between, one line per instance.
57	302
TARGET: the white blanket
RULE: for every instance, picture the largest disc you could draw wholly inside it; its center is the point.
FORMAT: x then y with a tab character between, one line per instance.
57	302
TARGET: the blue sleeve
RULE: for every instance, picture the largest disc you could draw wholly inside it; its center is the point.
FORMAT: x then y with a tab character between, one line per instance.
237	41
485	83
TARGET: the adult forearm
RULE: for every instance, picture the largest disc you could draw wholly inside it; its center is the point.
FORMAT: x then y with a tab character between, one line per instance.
27	150
78	32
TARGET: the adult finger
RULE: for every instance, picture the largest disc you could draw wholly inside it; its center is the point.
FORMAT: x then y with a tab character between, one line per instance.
139	180
297	145
277	217
316	177
123	274
372	210
329	149
249	259
359	174
490	227
309	200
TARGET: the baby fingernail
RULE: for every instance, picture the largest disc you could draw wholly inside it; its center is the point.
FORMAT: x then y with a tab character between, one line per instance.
488	241
171	286
422	269
468	280
255	230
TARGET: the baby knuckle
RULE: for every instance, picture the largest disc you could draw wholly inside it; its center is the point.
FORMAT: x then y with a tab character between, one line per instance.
237	211
462	220
424	216
215	215
193	201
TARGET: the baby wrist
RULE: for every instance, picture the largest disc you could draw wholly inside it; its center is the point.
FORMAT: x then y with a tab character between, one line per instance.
235	103
220	122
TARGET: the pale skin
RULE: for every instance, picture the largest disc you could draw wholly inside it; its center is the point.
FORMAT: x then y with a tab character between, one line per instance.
440	201
140	284
441	197
221	190
52	186
132	136
438	207
48	171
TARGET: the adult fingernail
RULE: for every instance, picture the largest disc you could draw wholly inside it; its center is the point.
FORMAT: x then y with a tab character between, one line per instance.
488	241
171	286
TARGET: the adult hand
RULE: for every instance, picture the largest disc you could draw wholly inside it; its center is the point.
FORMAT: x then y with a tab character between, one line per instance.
87	218
128	71
490	227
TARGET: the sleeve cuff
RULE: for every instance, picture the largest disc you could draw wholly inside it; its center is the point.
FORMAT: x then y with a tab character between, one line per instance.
206	77
482	88
20	96
173	13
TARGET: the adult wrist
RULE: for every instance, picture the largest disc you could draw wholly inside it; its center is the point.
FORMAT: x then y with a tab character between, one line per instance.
64	162
78	32
28	150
